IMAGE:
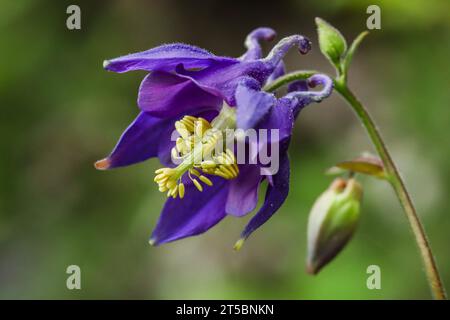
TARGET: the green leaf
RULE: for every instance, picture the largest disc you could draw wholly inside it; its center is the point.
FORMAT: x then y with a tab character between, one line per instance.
351	51
331	42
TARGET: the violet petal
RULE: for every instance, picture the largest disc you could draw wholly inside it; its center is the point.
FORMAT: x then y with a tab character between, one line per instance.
243	194
166	95
194	214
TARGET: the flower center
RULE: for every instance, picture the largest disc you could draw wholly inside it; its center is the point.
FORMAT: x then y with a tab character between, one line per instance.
200	149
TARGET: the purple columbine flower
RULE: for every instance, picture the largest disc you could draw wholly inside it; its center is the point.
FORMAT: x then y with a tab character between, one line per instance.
202	95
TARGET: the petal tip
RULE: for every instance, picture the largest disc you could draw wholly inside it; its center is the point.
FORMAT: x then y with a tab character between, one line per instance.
103	164
311	269
305	46
318	20
152	242
106	63
238	245
265	33
271	37
313	265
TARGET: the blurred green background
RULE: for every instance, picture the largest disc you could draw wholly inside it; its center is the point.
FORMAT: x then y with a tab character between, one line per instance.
60	111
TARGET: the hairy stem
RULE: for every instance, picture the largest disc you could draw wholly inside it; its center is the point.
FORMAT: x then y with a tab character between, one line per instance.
400	189
393	176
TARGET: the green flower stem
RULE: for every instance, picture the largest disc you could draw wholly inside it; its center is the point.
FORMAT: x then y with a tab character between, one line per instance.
287	78
397	183
392	173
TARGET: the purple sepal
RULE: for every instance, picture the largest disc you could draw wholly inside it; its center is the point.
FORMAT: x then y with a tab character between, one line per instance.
166	57
276	194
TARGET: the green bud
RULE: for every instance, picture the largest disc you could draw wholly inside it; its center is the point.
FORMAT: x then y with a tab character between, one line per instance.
332	222
331	42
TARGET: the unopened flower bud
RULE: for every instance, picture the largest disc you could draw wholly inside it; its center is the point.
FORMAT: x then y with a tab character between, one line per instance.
332	222
331	42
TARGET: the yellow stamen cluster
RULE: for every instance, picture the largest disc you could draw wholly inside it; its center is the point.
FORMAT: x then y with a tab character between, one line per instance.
196	149
224	165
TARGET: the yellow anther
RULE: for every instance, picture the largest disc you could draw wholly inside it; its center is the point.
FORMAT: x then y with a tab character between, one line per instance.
192	118
182	130
189	124
205	122
181	190
228	173
171	184
190	141
230	156
235	169
238	245
201	126
194	172
220	174
174	153
205	180
221	159
197	146
198	185
161	180
199	129
208	164
209	171
180	145
174	191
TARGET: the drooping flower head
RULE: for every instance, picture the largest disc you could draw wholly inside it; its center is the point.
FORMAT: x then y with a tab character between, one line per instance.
202	95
